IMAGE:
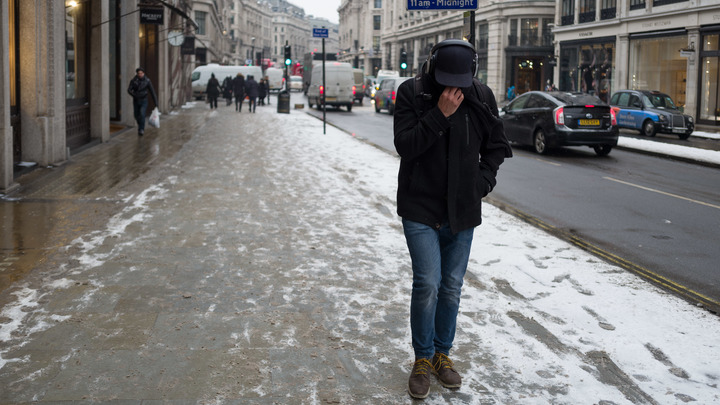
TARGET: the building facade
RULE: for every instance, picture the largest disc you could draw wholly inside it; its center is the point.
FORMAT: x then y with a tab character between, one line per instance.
666	45
66	67
289	27
513	38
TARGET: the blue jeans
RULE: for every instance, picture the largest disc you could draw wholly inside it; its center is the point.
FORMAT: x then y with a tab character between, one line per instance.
140	106
439	261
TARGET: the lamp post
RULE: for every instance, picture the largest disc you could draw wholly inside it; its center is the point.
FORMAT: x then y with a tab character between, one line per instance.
252	51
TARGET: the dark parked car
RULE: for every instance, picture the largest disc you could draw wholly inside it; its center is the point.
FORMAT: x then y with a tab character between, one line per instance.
650	112
385	95
554	119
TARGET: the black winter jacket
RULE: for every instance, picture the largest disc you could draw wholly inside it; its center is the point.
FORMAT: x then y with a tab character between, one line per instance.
140	88
447	165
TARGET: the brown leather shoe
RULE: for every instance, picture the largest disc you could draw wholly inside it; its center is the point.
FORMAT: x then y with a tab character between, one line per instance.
419	382
444	369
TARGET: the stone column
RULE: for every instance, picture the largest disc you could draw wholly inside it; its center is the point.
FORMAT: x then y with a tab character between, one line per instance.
693	79
496	57
42	81
6	134
622	61
100	72
129	59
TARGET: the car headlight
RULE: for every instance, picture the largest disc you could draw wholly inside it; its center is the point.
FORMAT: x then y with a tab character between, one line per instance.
663	118
690	118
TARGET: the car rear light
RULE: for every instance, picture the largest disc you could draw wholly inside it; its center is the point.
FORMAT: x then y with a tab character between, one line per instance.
393	95
559	116
354	89
613	117
322	90
589	106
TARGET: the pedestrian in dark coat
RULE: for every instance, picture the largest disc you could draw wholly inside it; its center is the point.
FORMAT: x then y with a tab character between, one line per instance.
262	91
213	91
140	87
252	90
239	91
451	143
227	90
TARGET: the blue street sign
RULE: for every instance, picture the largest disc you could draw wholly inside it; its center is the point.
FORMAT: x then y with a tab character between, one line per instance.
320	32
442	4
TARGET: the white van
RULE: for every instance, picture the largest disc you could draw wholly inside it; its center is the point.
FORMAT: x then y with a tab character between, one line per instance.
275	78
339	81
201	75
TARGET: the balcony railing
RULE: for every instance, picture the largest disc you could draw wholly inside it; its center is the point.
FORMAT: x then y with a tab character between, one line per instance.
608	13
567	20
587	17
512	40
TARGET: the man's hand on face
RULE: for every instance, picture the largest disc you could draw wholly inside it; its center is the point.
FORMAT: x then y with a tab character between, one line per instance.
450	100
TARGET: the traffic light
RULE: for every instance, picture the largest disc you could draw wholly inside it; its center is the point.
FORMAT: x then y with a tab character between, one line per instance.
288	55
403	59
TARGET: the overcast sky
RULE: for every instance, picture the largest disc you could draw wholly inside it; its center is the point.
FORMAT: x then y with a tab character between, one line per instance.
320	8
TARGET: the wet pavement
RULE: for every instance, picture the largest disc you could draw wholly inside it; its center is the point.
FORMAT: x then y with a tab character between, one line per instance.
222	260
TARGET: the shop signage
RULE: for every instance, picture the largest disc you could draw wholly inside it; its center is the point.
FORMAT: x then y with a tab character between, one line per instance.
152	15
188	46
686	54
442	4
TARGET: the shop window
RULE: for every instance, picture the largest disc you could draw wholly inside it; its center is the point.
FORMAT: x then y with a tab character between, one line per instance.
568	12
588	69
77	51
667	73
710	79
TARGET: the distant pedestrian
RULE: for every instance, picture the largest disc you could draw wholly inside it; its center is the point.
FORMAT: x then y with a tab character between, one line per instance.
549	86
139	88
262	91
239	91
267	86
213	91
252	90
227	89
511	93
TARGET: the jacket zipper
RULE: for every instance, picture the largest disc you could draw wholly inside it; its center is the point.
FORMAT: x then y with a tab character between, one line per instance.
467	129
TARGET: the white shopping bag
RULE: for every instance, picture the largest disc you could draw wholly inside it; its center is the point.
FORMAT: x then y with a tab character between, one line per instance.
154	120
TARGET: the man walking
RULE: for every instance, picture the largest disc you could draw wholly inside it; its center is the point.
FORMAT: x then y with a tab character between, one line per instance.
252	90
139	88
451	144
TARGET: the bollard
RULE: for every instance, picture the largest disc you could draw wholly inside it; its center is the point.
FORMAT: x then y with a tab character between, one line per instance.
283	102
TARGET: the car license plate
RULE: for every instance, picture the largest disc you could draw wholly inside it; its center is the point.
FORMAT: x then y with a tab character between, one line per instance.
678	130
586	123
330	98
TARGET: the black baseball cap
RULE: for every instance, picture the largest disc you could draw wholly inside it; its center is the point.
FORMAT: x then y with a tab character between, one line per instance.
140	69
454	64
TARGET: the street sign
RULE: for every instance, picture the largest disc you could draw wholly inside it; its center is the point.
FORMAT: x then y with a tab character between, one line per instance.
320	32
442	4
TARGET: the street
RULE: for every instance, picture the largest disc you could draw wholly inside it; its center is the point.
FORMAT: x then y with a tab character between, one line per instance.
248	258
639	208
